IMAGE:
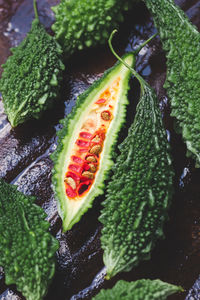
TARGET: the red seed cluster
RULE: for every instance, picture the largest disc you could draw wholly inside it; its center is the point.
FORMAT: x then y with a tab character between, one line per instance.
82	169
81	172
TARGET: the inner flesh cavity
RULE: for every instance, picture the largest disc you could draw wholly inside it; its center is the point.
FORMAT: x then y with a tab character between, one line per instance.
86	152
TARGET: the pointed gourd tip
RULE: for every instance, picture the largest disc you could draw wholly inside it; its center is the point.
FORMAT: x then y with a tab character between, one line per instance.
107	277
109	274
65	227
67	224
13	122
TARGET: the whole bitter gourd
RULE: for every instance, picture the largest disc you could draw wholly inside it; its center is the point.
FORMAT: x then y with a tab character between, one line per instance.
181	41
86	23
32	76
85	143
143	289
27	249
139	191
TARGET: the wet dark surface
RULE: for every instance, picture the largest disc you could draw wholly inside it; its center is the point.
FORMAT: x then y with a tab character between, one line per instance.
24	160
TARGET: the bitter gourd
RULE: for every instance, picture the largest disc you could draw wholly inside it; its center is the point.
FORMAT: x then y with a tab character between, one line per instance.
86	23
85	145
143	289
32	76
181	41
26	247
138	193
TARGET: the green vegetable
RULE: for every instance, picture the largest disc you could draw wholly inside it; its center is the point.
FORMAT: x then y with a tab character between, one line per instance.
181	41
86	119
144	289
26	248
32	75
138	193
86	23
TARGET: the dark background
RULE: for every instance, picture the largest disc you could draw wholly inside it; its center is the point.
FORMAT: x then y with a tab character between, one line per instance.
25	150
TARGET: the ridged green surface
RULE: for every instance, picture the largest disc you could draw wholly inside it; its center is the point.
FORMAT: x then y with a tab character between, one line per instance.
86	23
26	247
181	41
32	76
138	193
144	289
70	129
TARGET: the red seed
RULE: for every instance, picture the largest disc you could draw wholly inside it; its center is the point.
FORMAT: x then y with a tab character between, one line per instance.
106	115
82	143
92	168
70	192
86	167
70	181
75	168
86	135
96	149
96	139
103	135
84	179
91	158
100	133
83	187
73	175
100	101
83	150
88	174
77	159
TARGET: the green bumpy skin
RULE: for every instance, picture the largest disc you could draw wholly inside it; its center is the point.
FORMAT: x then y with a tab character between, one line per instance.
143	289
32	76
181	41
138	193
69	213
26	247
86	23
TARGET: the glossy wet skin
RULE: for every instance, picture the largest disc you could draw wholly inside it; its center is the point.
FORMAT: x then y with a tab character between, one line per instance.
24	160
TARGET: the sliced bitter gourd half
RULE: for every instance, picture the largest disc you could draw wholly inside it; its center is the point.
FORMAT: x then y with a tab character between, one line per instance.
85	143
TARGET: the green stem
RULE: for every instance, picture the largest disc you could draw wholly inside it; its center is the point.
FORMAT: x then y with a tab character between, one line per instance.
139	78
145	43
35	9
